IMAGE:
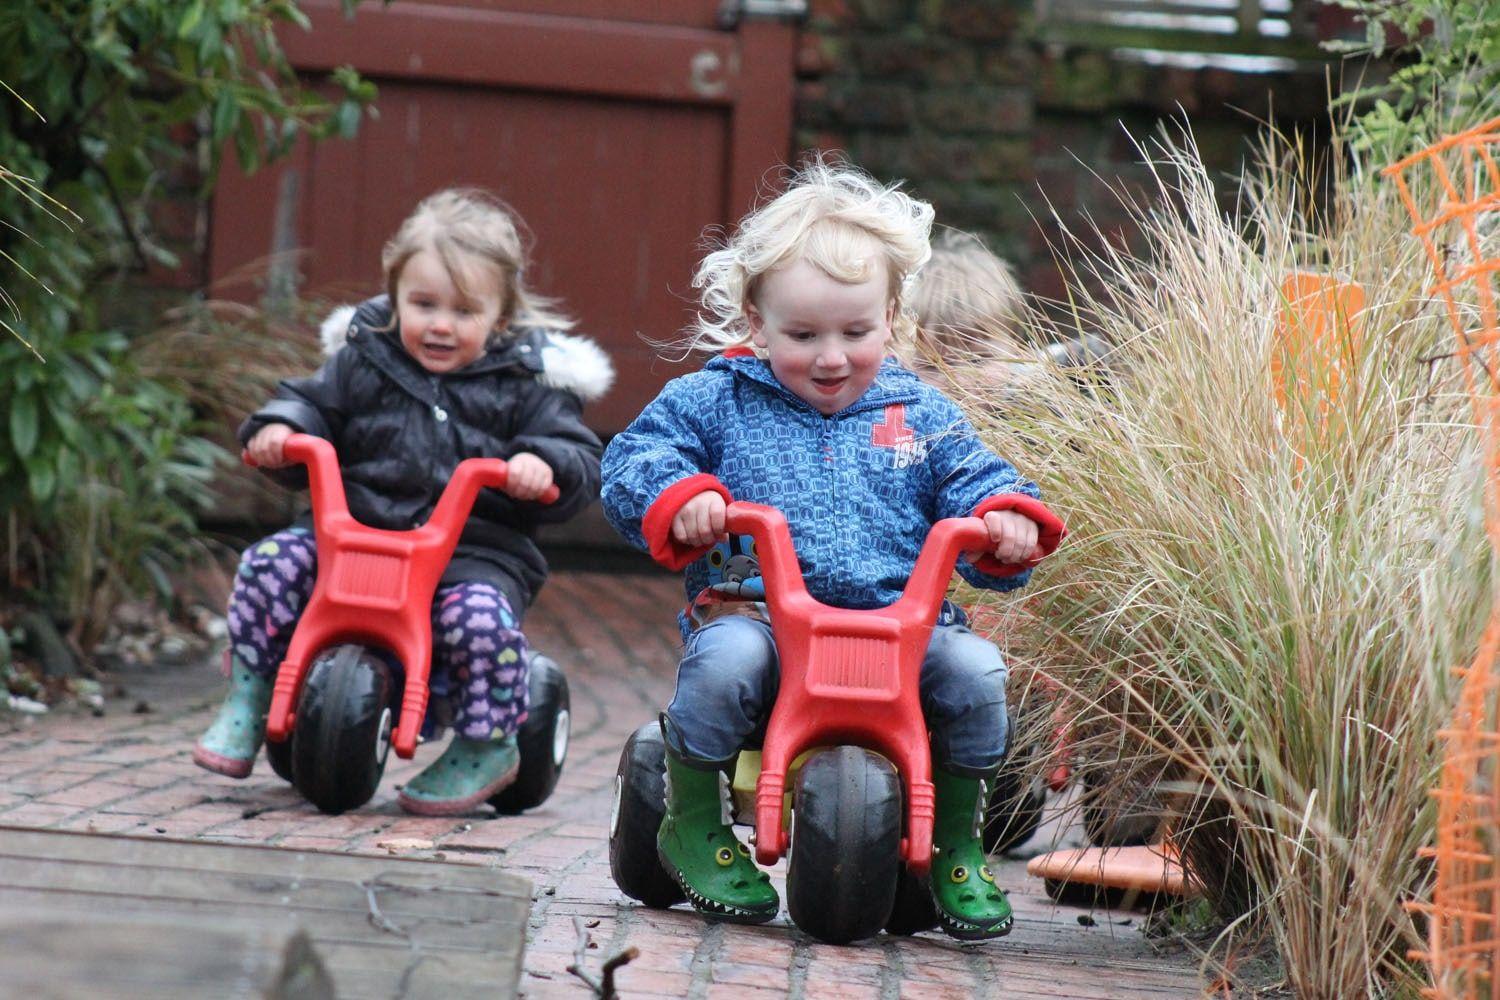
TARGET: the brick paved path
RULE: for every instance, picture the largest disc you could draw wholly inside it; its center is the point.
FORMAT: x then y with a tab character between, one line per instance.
132	773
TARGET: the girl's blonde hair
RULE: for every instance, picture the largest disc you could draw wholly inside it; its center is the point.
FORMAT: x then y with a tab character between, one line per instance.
967	304
833	215
467	225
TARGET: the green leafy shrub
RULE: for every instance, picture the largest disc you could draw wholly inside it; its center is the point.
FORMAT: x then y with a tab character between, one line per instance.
1446	78
103	461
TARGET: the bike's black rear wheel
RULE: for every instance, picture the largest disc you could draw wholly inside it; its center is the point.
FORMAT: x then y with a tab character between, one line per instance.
542	738
639	804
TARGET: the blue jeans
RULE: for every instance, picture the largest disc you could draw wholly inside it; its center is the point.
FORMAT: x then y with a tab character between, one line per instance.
727	683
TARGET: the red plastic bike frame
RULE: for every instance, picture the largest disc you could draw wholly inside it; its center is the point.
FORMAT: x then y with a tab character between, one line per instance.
374	586
850	677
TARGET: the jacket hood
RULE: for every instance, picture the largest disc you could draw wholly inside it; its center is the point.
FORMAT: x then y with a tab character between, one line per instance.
569	362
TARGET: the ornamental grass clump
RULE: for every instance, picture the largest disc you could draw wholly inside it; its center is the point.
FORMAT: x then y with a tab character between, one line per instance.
1261	599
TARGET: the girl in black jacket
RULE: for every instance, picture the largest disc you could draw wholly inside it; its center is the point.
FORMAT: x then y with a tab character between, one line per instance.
467	363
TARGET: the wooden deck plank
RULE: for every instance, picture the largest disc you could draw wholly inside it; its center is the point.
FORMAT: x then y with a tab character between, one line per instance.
363	972
222	915
46	956
249	859
434	907
333	926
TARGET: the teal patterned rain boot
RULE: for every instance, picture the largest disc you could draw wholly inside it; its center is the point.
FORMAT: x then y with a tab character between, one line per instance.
702	854
970	906
231	743
467	774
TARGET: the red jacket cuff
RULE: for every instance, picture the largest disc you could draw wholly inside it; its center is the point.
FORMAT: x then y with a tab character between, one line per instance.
656	526
1050	531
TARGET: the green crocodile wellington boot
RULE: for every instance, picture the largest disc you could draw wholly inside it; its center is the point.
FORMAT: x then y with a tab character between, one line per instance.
700	851
469	772
970	906
230	745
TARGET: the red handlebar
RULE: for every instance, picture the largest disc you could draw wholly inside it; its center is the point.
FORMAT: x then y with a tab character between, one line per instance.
304	454
924	588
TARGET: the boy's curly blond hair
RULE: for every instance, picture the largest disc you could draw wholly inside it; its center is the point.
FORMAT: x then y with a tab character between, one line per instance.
835	216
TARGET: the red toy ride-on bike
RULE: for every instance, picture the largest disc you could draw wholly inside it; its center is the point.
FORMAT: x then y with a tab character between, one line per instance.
329	730
860	836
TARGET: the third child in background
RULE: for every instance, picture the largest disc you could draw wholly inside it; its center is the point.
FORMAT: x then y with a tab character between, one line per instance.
971	320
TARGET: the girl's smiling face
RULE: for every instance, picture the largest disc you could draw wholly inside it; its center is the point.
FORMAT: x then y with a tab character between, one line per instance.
825	338
442	327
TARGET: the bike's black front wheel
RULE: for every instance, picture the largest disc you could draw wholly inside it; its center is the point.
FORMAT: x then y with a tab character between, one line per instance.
846	840
279	756
342	735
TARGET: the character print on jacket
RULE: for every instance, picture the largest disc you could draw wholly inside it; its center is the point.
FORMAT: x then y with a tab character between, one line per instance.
734	583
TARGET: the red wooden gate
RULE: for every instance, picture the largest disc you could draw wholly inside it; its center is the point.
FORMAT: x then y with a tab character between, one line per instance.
618	134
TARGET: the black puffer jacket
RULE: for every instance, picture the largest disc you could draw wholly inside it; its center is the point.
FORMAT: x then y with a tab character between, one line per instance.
400	431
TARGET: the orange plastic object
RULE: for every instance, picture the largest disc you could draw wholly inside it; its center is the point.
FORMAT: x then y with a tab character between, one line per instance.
1156	869
850	677
1317	339
374	586
1456	222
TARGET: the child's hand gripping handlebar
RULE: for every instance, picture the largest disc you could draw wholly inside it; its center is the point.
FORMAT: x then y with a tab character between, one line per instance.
850	676
375	586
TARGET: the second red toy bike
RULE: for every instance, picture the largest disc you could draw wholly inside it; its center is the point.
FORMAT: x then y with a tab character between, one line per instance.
368	621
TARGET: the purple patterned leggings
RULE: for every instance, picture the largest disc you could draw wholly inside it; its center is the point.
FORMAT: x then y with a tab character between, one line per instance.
477	648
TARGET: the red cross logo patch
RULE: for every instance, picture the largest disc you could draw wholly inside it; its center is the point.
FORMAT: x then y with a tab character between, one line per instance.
893	432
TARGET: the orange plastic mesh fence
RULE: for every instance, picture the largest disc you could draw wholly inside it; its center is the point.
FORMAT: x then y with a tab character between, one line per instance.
1452	190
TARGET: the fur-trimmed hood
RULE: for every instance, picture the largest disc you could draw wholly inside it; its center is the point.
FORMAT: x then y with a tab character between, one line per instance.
569	362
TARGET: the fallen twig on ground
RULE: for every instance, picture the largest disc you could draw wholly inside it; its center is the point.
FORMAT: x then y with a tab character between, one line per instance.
604	987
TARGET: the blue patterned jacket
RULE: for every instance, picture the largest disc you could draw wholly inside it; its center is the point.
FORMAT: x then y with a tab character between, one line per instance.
859	488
